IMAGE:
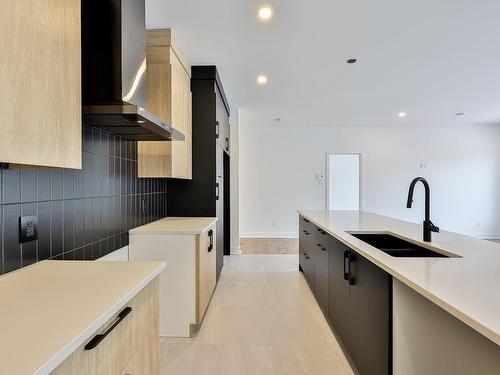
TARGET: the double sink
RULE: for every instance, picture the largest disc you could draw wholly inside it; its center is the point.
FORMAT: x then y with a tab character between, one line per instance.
398	247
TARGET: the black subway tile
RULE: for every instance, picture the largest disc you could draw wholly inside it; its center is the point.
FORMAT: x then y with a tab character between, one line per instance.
43	184
69	216
11	246
89	221
28	185
79	222
88	187
56	228
11	186
68	184
44	210
57	184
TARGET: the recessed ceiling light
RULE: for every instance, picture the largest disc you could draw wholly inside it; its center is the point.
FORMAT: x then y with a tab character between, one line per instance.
401	114
261	80
352	61
265	13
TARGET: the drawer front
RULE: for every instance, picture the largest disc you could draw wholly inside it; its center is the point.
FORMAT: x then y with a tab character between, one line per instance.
112	354
115	351
146	361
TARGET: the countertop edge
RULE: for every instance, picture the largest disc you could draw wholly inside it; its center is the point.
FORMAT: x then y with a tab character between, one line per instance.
137	231
65	352
471	322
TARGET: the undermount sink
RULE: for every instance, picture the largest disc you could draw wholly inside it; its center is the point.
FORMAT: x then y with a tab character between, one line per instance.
397	247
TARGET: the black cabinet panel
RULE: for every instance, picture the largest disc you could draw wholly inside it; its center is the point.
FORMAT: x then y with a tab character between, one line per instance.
198	197
370	326
338	290
354	294
321	262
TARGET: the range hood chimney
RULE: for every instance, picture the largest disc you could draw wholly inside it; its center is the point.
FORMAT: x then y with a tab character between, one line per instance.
114	71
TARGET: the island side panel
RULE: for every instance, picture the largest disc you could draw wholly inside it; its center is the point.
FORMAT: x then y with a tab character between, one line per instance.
428	340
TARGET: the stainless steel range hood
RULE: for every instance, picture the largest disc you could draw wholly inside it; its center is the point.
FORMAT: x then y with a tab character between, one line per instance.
114	71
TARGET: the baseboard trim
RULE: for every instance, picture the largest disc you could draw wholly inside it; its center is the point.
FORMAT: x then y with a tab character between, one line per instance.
235	250
270	235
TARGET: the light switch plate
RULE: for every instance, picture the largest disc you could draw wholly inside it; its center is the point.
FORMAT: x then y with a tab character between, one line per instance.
28	228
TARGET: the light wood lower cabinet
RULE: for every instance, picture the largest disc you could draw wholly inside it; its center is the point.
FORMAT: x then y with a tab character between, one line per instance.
131	347
169	97
188	282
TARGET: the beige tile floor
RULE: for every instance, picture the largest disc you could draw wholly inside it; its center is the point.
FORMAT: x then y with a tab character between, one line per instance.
262	320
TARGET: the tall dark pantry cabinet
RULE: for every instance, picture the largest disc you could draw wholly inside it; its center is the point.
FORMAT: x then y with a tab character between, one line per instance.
208	192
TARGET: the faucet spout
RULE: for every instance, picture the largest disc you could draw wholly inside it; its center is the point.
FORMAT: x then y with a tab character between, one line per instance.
429	227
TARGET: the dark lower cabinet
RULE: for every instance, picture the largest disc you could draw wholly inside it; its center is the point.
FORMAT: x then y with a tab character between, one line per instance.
370	317
354	294
338	291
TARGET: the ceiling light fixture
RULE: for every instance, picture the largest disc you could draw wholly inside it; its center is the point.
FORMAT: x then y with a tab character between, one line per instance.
261	80
460	114
401	114
352	61
265	13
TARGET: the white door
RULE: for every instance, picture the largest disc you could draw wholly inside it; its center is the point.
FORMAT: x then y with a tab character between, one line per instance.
343	181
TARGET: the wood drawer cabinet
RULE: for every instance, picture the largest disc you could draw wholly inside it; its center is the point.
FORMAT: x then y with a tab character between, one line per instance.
188	282
355	296
131	346
169	97
40	80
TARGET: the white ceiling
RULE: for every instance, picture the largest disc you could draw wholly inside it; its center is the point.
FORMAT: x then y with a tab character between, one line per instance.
429	58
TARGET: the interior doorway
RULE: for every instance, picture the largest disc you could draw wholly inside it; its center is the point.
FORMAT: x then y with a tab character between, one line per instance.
343	181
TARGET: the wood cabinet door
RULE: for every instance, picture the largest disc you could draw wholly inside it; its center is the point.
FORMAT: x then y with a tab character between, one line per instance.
206	271
146	361
370	323
40	81
338	290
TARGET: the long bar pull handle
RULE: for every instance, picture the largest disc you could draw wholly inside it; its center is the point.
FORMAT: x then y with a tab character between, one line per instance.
346	265
350	278
211	236
101	336
217	191
216	129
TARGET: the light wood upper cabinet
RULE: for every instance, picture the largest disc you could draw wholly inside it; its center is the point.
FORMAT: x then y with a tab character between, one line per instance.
40	83
169	97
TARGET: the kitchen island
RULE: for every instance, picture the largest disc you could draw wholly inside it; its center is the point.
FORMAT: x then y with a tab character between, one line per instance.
442	314
54	314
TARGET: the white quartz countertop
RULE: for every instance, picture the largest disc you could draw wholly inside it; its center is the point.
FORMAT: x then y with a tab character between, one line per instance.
176	225
49	309
467	286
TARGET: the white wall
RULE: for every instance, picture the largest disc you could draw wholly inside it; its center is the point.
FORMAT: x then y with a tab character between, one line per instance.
235	182
462	163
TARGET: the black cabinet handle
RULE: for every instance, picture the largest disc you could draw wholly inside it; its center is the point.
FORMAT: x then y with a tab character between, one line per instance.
350	278
306	232
307	221
211	237
318	244
217	191
216	129
227	144
346	265
323	249
98	338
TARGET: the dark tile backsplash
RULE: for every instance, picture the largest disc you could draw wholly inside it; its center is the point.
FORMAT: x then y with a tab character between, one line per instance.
82	214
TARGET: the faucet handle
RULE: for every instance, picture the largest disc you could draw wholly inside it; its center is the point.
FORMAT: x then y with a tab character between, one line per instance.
432	227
